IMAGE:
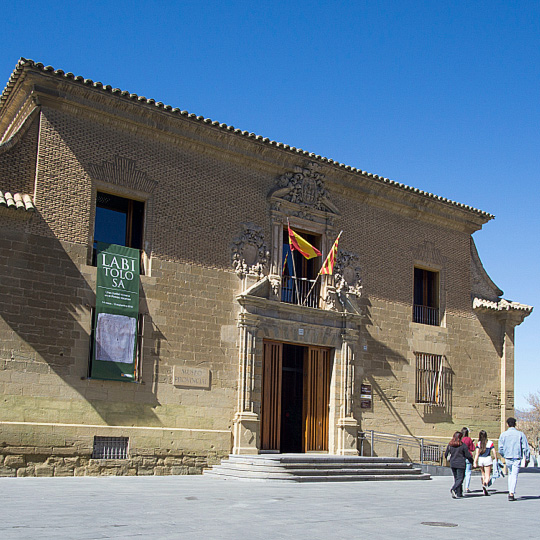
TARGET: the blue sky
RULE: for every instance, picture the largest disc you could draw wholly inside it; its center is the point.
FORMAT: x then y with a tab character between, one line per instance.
444	97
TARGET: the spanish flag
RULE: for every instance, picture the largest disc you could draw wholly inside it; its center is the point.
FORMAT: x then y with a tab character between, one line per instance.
328	264
301	245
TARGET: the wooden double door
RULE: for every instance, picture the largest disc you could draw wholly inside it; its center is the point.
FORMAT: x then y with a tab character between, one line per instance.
295	398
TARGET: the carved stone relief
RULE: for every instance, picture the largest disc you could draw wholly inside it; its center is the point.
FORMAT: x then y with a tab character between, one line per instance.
249	252
305	186
347	277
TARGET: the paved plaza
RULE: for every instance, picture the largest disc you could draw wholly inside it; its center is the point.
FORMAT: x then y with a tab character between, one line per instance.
195	507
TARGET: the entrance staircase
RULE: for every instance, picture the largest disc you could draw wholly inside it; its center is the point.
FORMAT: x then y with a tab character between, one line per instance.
314	468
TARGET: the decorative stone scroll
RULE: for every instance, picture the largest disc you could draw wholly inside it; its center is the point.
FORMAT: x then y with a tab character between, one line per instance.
481	284
347	276
250	255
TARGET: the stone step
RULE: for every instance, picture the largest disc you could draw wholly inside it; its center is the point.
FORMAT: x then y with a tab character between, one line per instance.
403	467
315	468
280	460
326	478
316	472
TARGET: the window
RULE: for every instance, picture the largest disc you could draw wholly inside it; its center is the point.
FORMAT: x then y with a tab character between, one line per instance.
430	387
426	297
118	221
110	448
299	283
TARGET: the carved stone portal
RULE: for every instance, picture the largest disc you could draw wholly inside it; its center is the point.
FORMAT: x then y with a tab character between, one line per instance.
250	255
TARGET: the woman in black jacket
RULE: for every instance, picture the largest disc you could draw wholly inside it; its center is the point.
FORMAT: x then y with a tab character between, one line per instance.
459	455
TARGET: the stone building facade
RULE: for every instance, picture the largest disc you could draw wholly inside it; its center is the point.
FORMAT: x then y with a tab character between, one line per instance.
234	353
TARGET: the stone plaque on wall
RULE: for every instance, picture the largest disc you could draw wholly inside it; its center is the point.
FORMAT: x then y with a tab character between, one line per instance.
191	377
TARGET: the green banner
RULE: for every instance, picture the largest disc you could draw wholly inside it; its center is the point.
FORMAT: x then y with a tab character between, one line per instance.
117	312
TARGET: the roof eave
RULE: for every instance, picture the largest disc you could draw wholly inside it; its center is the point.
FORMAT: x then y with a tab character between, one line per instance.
23	64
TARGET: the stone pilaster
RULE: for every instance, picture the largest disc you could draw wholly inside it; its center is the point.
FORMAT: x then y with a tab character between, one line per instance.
246	421
507	369
347	425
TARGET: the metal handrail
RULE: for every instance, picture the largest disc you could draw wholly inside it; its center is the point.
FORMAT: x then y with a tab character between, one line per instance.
301	291
426	315
429	450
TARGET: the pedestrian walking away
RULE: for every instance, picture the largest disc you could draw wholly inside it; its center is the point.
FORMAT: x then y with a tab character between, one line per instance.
465	439
459	455
483	458
514	448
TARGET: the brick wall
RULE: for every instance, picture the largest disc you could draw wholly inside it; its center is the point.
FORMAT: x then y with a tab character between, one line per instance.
18	160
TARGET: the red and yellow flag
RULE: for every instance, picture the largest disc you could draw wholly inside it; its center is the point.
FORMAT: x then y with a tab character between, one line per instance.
328	264
301	245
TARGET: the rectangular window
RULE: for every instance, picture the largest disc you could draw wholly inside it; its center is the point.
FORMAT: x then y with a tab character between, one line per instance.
118	221
299	283
426	297
429	379
110	448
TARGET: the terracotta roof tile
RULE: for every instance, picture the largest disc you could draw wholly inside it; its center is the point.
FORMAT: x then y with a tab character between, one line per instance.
16	201
501	305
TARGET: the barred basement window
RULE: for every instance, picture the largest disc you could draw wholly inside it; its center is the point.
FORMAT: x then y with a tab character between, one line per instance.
432	452
429	379
110	448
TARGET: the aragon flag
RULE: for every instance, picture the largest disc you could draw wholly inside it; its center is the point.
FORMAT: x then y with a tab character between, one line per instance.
301	245
328	264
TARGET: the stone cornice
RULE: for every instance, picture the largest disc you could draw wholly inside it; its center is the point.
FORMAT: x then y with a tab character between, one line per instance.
300	314
20	125
102	101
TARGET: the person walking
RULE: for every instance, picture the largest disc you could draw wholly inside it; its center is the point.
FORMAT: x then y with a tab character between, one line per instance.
459	455
483	458
513	447
465	439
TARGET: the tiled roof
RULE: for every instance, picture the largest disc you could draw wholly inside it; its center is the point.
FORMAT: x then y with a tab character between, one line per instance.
501	305
17	201
23	62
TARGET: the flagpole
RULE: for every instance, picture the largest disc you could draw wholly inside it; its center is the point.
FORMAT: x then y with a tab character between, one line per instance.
293	265
314	283
322	266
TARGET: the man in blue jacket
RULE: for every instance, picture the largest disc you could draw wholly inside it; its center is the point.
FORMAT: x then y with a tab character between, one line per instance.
513	447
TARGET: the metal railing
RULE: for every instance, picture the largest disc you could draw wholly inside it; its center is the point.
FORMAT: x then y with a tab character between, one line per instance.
417	449
426	315
110	448
297	291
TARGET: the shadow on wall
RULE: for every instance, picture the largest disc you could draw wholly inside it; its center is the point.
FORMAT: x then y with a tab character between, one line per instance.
381	363
46	304
492	327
